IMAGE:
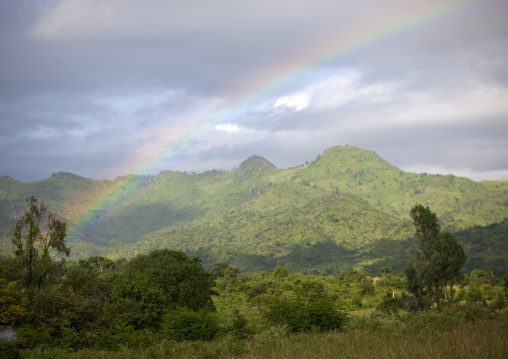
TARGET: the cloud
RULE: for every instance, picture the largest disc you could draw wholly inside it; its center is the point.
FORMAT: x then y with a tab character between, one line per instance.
99	87
337	91
297	101
227	127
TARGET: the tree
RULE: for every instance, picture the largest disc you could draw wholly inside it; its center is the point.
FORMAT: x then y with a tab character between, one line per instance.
386	270
11	308
97	263
135	301
448	259
439	258
222	269
36	248
414	301
427	231
182	280
505	282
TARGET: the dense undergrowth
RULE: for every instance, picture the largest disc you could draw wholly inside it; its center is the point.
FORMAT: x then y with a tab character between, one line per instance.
275	314
462	332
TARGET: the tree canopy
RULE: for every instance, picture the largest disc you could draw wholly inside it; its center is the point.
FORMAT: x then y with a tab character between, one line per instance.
37	249
182	280
439	258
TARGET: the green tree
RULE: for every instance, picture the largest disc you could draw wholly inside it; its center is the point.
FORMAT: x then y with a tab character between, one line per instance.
386	270
439	258
414	285
505	283
135	301
99	264
222	269
280	272
182	280
37	249
448	259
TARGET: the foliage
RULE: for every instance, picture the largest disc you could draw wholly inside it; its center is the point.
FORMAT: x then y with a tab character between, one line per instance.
239	323
183	281
281	272
390	337
299	316
222	269
85	313
486	247
11	308
135	301
505	282
186	324
390	305
36	248
256	217
439	258
97	263
448	259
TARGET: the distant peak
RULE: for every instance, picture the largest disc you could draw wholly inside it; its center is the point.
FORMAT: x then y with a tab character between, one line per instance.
256	164
64	175
8	179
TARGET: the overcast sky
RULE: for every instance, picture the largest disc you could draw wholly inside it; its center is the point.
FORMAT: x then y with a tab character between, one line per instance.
103	88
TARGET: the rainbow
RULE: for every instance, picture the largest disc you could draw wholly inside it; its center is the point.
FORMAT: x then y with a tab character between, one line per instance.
338	50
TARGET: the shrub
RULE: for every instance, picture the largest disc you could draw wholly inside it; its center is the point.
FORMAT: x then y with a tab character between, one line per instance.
8	350
238	325
318	314
390	305
474	294
499	302
186	324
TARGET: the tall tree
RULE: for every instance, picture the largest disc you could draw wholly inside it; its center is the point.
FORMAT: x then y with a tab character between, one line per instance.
448	259
439	258
427	231
37	248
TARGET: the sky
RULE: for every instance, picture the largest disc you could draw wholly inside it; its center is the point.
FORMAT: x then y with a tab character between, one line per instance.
106	88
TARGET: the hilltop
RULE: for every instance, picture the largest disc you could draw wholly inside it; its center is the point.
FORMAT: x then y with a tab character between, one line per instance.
348	209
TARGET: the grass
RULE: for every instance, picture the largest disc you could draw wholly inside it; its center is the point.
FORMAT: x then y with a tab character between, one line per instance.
451	335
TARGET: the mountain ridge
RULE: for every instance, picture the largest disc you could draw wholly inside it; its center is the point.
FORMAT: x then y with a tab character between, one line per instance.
347	200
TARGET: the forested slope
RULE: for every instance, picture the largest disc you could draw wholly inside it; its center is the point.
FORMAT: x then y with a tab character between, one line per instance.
347	209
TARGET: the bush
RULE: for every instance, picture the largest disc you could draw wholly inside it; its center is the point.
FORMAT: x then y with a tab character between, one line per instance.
499	302
474	294
8	350
318	314
390	305
186	324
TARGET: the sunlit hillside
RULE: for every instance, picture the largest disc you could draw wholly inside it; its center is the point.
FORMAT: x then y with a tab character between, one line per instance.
348	209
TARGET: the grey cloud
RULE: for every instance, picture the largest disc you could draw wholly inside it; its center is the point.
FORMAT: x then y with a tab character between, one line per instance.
63	63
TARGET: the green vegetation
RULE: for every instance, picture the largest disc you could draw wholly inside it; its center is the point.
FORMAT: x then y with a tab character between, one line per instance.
438	261
37	249
263	314
349	204
164	303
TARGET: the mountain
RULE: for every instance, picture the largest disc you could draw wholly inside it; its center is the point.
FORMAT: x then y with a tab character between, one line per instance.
348	209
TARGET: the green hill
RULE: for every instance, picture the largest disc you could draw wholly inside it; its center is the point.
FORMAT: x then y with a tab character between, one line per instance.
348	209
